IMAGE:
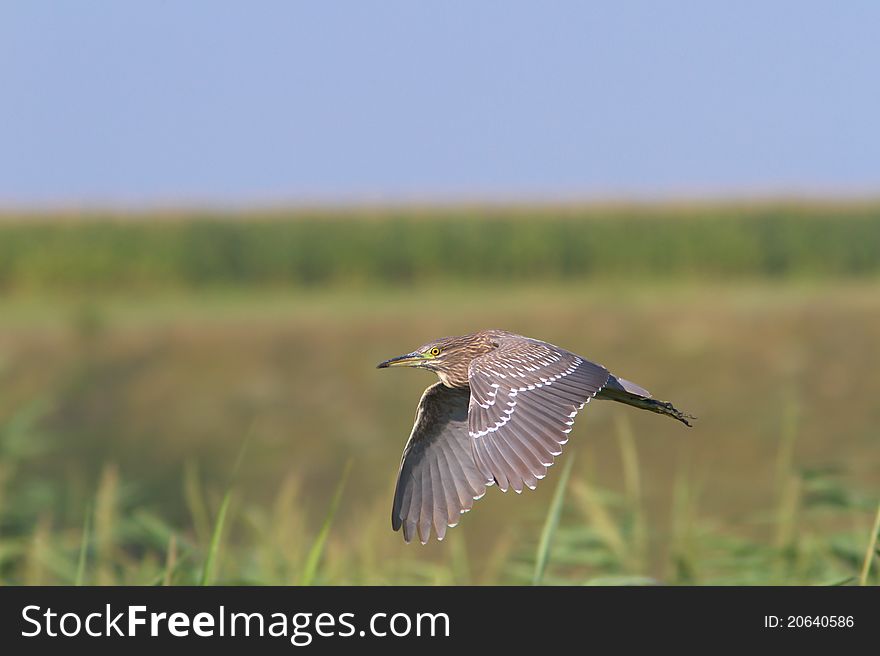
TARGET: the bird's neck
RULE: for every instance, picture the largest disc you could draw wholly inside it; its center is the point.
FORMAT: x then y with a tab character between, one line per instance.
450	379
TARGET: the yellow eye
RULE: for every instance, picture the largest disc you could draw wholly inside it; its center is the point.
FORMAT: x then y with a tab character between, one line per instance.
434	351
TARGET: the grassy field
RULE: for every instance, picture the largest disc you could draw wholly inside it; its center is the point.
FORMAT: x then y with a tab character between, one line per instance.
171	433
408	246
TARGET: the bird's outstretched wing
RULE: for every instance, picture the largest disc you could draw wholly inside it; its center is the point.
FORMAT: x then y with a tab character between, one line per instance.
524	398
438	479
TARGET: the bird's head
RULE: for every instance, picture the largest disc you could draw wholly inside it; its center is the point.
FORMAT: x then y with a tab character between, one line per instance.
448	357
434	355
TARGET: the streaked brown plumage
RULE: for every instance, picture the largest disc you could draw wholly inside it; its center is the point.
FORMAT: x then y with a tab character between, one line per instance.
500	414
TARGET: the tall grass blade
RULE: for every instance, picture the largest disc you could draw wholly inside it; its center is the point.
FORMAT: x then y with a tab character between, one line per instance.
788	437
638	548
195	501
214	548
208	571
550	524
107	526
36	554
788	481
83	548
869	552
314	557
600	519
683	558
170	560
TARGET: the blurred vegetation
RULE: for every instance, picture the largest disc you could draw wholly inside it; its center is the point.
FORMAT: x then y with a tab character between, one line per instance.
409	246
180	398
590	536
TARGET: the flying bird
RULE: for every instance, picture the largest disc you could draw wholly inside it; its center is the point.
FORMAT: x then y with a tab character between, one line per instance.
500	414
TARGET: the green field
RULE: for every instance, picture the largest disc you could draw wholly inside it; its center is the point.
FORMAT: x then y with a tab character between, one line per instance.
158	375
410	247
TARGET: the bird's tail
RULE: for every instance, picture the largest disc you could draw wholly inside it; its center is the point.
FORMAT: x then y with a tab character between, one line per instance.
623	391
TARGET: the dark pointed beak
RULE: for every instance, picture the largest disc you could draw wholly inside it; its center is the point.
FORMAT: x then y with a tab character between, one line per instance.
402	361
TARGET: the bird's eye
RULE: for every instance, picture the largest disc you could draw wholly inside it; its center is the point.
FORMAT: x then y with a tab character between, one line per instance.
434	351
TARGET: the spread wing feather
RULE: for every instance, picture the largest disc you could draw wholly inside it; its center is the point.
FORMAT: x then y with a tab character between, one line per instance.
438	478
525	395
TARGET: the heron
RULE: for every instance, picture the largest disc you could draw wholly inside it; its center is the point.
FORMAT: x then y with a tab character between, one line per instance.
500	414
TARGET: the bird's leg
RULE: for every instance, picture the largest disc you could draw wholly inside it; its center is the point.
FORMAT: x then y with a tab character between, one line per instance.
666	408
653	405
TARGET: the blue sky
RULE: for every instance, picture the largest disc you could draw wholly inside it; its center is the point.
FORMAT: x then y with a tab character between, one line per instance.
191	102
